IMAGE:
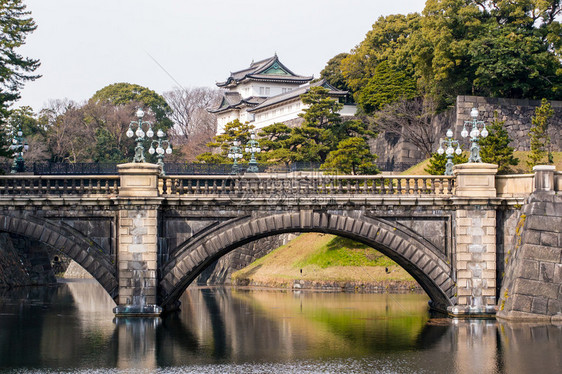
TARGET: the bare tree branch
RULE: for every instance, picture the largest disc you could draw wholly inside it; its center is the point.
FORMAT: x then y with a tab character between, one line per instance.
189	112
412	120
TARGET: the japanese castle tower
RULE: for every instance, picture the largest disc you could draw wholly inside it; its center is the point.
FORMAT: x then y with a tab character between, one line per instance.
268	92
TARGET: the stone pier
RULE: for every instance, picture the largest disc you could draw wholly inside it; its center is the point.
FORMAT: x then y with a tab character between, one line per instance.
475	257
137	254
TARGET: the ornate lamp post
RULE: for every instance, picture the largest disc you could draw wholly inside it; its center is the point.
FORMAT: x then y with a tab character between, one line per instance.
474	134
235	153
160	149
19	146
449	143
253	147
139	149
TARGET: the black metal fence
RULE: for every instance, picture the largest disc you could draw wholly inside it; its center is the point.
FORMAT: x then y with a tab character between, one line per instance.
92	168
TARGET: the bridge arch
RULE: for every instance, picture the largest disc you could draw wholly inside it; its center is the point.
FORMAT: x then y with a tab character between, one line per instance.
419	257
68	241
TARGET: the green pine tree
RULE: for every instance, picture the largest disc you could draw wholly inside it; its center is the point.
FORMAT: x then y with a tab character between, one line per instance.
495	149
353	157
221	143
437	163
540	141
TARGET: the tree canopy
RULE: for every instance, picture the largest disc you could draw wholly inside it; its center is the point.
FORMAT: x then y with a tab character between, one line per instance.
494	48
15	69
126	93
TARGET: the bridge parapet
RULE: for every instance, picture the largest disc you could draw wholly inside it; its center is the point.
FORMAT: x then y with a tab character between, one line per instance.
58	185
306	185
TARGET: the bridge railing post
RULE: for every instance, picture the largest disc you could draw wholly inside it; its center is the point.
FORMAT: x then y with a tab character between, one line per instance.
544	178
474	253
137	252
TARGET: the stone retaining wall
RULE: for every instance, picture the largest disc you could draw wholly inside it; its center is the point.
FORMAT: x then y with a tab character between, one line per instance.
532	286
396	154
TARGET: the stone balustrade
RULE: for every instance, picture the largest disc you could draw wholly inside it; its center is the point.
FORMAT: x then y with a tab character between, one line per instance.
58	185
307	185
514	185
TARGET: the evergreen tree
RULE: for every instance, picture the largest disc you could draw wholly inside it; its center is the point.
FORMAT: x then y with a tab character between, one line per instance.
437	163
540	141
15	69
385	87
221	143
495	149
125	93
352	156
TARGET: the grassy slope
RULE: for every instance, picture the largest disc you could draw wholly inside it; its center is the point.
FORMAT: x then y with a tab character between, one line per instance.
322	257
325	257
522	168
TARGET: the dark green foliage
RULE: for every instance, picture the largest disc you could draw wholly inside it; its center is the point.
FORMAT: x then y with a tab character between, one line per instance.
323	136
126	93
14	68
540	141
352	156
437	163
106	148
492	48
333	74
234	130
495	149
385	87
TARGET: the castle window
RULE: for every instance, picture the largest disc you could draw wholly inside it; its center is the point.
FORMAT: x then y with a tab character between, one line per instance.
264	91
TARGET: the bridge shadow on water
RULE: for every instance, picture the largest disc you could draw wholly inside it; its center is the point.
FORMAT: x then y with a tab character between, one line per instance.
71	327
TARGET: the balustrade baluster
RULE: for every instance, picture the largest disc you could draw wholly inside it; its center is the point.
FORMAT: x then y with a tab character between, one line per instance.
450	183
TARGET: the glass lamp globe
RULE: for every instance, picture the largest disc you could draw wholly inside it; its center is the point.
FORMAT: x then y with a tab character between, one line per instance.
160	150
150	133
464	133
474	113
458	151
20	133
169	150
140	113
130	133
484	132
160	133
450	150
139	133
151	150
440	150
449	133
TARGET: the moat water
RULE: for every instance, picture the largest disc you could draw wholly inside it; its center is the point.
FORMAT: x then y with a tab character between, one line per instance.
71	328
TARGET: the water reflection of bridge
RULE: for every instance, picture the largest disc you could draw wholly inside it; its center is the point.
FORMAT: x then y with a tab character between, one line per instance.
241	329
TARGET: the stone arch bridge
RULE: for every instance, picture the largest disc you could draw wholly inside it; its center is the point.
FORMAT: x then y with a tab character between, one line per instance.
146	237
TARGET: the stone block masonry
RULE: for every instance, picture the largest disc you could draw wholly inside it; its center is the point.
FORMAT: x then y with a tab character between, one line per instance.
137	256
475	259
532	286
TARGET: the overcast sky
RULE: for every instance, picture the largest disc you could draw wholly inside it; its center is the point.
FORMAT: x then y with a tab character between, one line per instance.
86	45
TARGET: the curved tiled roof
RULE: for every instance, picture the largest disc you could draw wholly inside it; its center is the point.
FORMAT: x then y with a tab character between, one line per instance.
270	69
233	100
